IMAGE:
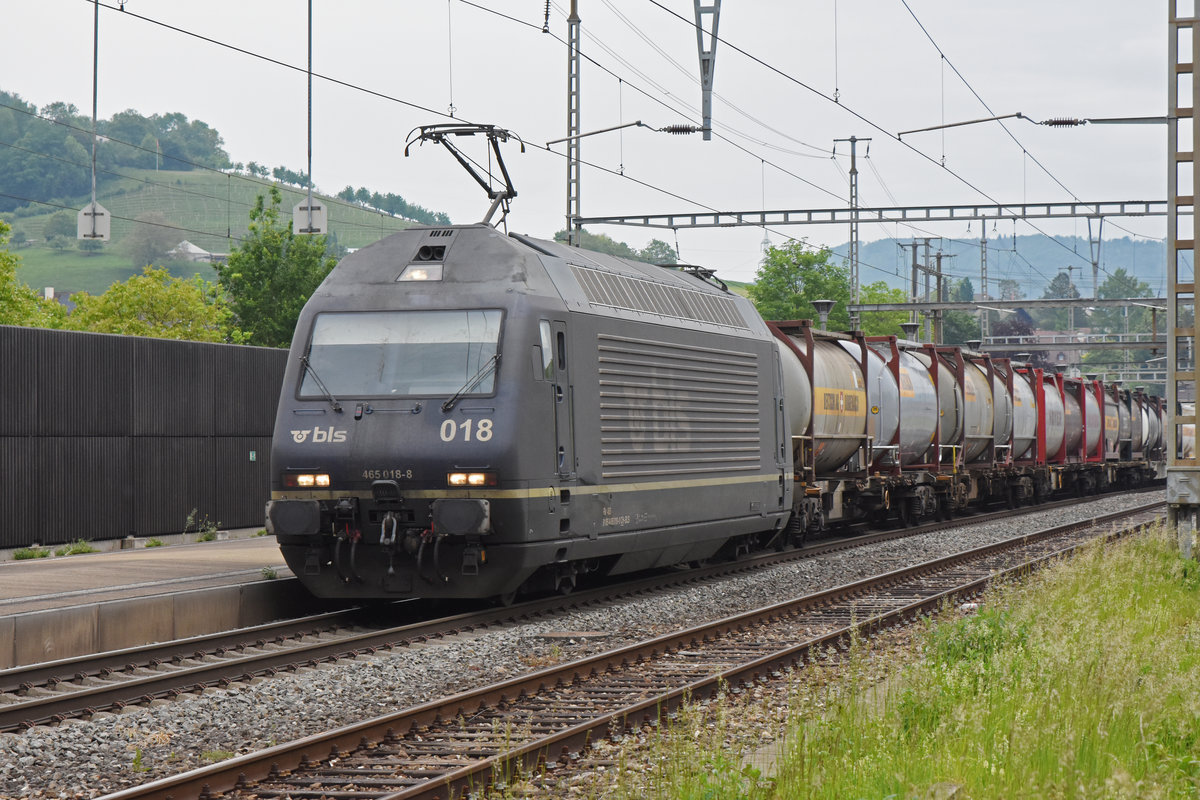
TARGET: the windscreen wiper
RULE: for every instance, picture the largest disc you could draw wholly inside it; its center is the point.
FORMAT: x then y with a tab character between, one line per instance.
308	367
473	382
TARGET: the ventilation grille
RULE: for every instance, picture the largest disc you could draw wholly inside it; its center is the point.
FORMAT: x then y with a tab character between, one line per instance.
439	233
634	294
671	409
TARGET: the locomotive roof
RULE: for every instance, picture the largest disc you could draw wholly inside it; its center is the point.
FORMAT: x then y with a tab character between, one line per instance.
482	257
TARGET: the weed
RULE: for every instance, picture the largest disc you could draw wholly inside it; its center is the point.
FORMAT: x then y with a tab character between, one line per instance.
139	761
213	756
549	659
269	573
22	553
154	543
205	527
75	548
262	532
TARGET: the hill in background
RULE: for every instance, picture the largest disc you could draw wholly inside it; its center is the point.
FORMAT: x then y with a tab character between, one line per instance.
209	209
1032	261
163	164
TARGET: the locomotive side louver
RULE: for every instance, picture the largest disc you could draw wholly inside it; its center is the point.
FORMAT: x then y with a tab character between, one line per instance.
634	294
673	409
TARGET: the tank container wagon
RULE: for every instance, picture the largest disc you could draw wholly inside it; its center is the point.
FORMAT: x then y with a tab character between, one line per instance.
883	427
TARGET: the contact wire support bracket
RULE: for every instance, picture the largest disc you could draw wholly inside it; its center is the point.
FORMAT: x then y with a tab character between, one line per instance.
445	134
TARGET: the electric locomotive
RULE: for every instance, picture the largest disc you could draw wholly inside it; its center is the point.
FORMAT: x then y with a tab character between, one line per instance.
467	413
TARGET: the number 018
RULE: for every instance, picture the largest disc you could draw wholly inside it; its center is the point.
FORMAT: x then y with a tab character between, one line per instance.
469	429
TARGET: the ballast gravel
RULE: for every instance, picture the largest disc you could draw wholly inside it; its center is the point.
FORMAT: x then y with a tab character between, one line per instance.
140	744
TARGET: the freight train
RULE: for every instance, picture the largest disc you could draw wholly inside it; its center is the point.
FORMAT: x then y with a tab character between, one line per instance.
472	414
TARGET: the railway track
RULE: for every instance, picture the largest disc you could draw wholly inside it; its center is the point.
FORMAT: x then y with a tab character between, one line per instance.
467	742
80	687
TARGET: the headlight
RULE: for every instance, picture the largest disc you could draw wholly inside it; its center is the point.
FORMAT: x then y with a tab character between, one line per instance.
306	480
471	479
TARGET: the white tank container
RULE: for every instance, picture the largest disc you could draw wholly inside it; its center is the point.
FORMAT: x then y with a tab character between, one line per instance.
1155	425
1112	427
1025	416
1136	434
950	402
978	415
918	408
836	403
1091	410
883	396
1055	418
1002	408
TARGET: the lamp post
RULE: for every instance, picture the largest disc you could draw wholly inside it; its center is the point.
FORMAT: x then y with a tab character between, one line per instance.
823	308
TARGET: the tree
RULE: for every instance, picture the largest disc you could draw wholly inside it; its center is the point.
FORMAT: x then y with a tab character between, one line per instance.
60	223
272	273
961	292
151	238
959	327
657	251
156	304
1010	289
1120	284
1128	319
1018	324
791	277
601	243
882	323
1060	288
19	304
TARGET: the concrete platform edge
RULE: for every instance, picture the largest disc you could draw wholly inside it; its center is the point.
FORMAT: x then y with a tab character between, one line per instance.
50	635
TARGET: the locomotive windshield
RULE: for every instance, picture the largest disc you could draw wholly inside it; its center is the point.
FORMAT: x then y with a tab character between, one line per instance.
400	353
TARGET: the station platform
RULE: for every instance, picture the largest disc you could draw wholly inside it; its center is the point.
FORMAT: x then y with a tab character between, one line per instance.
67	606
36	584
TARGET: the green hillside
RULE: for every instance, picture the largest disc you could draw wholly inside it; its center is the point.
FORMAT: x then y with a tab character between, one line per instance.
208	209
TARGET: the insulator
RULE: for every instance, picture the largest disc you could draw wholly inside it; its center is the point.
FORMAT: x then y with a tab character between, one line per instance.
1064	122
679	130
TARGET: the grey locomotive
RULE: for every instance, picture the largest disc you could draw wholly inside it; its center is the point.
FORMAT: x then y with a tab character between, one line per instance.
467	413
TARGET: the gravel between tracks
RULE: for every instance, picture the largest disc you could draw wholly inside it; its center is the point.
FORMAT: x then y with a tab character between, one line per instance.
114	751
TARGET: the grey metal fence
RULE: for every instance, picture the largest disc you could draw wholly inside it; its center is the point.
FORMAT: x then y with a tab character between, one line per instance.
106	436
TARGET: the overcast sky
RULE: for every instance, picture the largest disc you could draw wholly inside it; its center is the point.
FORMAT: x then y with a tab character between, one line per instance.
775	121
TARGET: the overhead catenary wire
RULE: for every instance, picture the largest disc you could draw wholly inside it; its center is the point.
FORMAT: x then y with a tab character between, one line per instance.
418	106
983	103
792	79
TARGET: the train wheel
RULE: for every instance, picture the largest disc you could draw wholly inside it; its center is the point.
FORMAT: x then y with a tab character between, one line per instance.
943	509
796	532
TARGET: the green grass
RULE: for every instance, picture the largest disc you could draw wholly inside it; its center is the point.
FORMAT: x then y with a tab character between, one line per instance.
72	271
1080	683
75	548
25	553
204	205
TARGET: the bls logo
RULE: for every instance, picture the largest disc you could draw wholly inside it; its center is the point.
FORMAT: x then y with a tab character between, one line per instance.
319	436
